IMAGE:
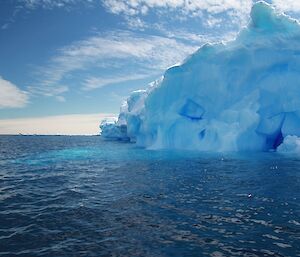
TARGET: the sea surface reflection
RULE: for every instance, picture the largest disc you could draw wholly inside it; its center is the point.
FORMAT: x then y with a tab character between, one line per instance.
81	196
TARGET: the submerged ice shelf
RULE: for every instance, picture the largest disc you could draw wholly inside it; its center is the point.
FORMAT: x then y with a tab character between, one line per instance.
242	95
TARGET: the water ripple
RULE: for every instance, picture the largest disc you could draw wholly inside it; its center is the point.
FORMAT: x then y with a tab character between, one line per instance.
79	196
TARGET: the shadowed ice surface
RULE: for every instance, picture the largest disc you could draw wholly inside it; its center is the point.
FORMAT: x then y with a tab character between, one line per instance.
81	196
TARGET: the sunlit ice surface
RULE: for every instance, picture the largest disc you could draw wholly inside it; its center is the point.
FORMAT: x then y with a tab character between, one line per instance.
241	95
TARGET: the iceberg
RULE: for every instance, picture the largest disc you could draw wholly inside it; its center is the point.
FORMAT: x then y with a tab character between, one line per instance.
242	95
111	130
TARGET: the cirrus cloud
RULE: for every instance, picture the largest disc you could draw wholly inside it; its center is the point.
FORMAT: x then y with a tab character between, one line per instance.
238	10
50	4
11	96
130	56
287	5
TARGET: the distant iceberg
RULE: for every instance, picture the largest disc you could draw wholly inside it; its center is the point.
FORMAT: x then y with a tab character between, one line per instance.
242	95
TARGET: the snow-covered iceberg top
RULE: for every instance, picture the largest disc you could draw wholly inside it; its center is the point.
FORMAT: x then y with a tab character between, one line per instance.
242	95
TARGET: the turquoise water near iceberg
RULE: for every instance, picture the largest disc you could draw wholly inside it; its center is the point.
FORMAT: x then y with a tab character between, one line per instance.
81	196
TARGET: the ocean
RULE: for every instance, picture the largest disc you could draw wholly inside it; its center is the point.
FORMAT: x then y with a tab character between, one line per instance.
82	196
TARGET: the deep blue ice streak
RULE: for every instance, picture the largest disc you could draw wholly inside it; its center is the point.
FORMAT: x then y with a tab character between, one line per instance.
81	196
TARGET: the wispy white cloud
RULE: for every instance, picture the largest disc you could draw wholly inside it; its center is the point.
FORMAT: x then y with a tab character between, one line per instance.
5	26
21	5
60	98
136	23
98	82
46	89
76	124
148	54
192	38
11	96
50	4
237	9
142	6
12	18
287	5
121	45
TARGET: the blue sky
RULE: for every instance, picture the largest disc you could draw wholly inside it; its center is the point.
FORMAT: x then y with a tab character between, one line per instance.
83	57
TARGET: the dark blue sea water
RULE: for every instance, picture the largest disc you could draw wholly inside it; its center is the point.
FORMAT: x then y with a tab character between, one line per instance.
80	196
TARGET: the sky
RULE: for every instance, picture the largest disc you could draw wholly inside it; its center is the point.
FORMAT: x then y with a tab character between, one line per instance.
75	61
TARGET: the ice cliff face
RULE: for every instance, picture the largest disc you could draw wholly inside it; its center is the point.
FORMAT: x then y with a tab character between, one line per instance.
240	96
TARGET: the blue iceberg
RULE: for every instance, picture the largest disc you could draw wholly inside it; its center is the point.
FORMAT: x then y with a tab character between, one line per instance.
242	95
